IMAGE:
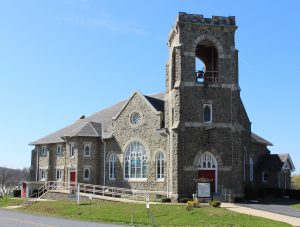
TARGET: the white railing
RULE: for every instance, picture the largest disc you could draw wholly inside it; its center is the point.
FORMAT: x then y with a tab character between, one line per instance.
114	192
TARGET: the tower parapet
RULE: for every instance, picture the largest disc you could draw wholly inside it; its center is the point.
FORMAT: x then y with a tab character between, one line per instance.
198	18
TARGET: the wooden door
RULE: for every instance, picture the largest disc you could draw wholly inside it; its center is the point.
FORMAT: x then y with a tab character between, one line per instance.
72	178
210	174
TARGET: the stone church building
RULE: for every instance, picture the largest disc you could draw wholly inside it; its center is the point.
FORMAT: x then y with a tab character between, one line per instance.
197	128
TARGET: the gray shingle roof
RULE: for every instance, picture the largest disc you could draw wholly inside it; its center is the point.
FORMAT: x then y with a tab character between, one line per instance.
91	126
275	162
271	162
258	139
92	129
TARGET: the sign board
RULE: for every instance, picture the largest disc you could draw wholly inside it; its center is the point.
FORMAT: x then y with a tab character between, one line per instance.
147	197
147	205
90	197
203	190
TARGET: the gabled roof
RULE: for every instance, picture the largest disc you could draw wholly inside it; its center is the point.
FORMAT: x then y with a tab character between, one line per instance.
275	162
285	158
95	121
258	139
147	101
91	129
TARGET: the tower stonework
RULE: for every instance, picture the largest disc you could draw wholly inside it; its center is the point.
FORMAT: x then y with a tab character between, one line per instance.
209	130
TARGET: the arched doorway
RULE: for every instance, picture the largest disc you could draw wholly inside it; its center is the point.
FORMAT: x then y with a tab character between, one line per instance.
207	168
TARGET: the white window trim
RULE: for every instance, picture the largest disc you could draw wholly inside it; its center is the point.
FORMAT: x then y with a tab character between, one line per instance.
210	107
144	155
90	150
43	178
60	174
61	152
89	169
72	147
112	176
161	167
44	151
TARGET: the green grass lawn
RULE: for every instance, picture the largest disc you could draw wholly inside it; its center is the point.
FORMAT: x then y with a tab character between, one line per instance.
164	215
296	206
10	201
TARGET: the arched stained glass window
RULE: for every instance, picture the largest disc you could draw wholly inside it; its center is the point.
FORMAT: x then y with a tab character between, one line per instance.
160	166
207	161
135	163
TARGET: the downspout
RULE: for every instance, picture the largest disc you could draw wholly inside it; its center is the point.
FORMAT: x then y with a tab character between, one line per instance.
37	165
168	162
104	154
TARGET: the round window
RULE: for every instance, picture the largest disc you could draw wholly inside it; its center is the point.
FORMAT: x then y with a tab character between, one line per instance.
135	118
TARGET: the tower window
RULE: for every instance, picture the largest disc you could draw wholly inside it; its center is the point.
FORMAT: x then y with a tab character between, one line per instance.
207	113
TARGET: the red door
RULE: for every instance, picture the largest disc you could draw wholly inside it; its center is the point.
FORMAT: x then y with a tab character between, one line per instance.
24	190
72	178
210	174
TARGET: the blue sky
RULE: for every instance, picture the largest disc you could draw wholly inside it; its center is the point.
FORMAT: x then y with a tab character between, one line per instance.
62	59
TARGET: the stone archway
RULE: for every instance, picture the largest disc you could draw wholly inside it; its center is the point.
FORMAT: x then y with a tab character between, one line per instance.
208	168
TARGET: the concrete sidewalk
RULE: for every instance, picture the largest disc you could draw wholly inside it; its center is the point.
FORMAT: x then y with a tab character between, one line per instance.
260	213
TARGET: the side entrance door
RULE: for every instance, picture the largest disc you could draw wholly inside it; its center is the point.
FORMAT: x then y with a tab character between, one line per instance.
210	174
72	178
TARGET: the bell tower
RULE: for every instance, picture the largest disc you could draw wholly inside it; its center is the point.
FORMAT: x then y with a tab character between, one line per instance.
203	108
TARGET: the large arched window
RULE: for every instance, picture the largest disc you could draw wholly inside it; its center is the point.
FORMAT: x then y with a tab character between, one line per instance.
207	161
112	166
251	169
135	161
160	166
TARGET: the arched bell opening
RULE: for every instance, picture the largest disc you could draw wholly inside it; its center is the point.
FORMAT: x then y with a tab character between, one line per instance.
206	62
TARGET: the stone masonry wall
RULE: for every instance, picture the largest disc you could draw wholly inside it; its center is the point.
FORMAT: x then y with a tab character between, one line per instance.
146	133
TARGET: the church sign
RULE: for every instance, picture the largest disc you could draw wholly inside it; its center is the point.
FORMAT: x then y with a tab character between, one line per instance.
203	190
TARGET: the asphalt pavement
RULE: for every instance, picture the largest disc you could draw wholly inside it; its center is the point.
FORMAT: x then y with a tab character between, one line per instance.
279	206
17	219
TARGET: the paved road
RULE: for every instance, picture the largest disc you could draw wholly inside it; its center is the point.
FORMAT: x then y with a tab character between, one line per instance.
17	219
275	206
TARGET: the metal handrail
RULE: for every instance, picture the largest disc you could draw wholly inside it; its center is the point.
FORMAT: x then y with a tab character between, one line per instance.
135	194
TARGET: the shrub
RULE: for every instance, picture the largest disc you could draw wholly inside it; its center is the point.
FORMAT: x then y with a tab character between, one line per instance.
293	193
189	205
17	193
165	200
184	200
215	203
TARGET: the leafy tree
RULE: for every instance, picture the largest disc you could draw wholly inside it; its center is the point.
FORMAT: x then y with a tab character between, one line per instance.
296	181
